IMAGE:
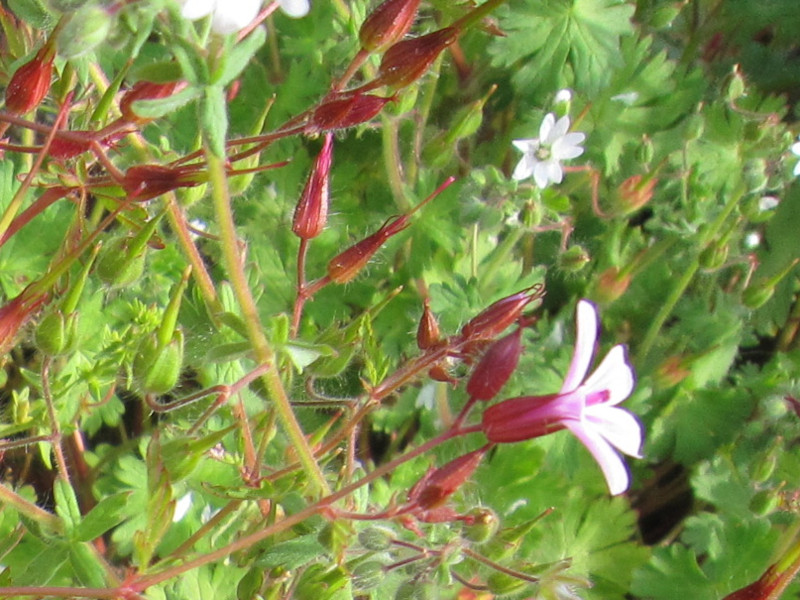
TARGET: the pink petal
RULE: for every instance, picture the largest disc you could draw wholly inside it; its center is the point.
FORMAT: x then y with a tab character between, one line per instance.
612	465
614	375
587	323
619	427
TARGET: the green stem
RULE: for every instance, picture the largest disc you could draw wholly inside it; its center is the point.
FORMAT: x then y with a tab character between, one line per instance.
47	520
261	348
394	163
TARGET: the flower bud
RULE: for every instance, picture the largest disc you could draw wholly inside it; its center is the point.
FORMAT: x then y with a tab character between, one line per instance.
57	333
30	83
764	502
15	313
428	334
503	584
610	285
672	371
346	265
387	24
632	194
346	112
713	256
367	575
407	61
480	525
145	182
439	484
574	259
496	318
118	265
416	590
87	28
376	538
311	213
156	368
146	90
759	292
495	367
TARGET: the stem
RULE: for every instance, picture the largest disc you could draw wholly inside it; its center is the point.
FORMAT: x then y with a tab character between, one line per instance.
47	520
261	348
55	435
393	162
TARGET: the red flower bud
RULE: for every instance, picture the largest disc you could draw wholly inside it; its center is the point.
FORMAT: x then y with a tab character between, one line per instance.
387	24
14	314
347	112
146	90
311	213
493	320
346	265
438	484
633	193
495	367
428	334
30	82
144	182
407	61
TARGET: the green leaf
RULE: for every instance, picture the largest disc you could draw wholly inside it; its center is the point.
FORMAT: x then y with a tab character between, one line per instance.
108	513
66	504
236	59
293	553
159	107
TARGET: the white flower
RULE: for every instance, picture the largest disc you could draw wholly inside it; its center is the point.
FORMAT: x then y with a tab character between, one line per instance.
542	156
586	406
229	16
796	151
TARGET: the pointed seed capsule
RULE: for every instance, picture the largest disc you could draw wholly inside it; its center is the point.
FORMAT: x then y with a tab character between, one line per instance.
495	367
387	24
311	213
30	82
350	111
497	317
407	61
428	334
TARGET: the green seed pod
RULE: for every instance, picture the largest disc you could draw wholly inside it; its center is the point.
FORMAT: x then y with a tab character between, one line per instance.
368	575
57	333
156	368
762	469
87	28
502	584
764	502
755	296
574	259
117	265
483	525
416	590
376	538
714	255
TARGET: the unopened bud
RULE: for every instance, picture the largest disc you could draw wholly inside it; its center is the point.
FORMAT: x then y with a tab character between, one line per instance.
428	334
672	371
376	538
495	367
387	24
574	259
763	468
497	317
346	265
503	584
146	90
367	575
30	82
764	502
480	525
713	256
156	368
633	193
347	112
416	590
144	182
758	293
610	285
57	333
407	61
437	485
311	213
118	265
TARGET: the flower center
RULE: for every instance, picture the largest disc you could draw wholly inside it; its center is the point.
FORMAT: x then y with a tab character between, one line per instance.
543	153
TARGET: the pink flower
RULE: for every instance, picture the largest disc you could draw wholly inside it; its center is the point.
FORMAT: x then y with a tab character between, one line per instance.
587	406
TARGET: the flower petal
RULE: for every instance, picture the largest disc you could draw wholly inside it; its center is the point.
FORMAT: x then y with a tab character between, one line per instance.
797	169
554	172
796	148
230	17
619	427
528	146
614	375
567	146
197	9
540	174
587	323
524	168
295	8
614	469
546	127
559	130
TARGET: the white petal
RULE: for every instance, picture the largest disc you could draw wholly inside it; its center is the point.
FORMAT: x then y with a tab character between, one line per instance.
546	127
614	374
567	146
797	169
197	9
612	465
796	148
559	129
524	168
619	427
232	15
540	174
554	172
295	8
587	323
528	146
